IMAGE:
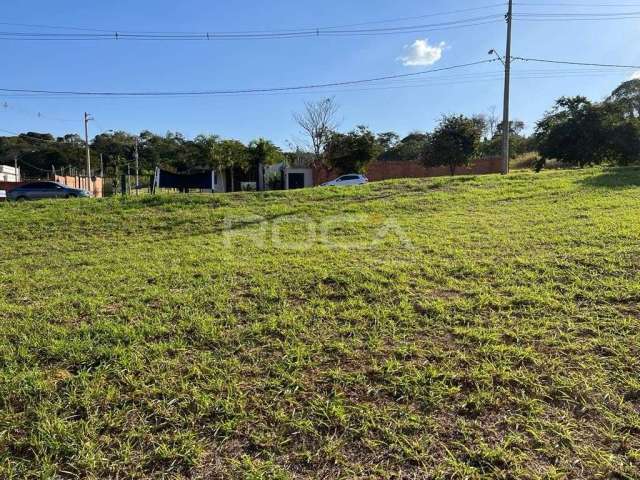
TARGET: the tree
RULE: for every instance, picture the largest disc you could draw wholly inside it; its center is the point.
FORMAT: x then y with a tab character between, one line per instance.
114	148
408	149
318	122
519	144
627	98
229	155
573	132
263	152
492	121
203	148
352	152
388	140
623	145
482	123
454	143
516	127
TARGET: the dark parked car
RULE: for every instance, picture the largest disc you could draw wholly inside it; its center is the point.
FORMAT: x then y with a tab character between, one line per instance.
41	190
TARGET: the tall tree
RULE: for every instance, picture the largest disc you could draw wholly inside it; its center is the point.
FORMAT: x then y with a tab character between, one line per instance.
229	155
264	152
318	122
454	143
627	98
573	132
408	149
492	121
351	152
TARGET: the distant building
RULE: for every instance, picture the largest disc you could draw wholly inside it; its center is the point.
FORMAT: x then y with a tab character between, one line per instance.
9	174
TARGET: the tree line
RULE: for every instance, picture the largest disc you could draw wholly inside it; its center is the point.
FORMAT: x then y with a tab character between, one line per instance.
576	131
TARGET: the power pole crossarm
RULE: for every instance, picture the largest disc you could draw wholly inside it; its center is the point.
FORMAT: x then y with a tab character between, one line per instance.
507	82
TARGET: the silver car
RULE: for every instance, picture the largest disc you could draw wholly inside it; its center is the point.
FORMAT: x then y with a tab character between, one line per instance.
346	180
42	190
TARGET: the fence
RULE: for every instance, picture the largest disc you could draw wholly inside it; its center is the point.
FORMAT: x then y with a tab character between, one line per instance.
379	170
73	181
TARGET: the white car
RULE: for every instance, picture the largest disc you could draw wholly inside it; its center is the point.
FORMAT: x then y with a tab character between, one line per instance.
346	180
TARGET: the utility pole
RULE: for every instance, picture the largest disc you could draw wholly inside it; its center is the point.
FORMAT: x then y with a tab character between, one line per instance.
507	84
87	118
101	167
15	165
137	158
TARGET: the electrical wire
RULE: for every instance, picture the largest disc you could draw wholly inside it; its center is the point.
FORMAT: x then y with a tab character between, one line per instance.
406	84
311	87
246	90
587	5
213	36
312	29
566	62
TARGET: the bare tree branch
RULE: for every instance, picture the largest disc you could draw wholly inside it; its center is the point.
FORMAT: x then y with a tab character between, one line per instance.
317	122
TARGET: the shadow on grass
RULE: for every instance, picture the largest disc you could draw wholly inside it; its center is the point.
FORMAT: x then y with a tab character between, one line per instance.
618	178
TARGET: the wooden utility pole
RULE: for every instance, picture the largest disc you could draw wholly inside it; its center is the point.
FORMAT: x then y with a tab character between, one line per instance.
507	82
137	158
87	118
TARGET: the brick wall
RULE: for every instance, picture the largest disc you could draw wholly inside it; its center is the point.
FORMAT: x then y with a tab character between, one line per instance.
83	183
8	186
377	171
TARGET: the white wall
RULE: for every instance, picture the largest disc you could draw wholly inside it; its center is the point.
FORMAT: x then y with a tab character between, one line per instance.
9	174
221	183
308	176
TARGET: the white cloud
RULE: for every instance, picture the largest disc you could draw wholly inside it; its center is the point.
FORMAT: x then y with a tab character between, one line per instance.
635	76
421	54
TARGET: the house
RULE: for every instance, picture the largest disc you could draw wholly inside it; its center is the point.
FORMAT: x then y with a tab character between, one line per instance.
9	174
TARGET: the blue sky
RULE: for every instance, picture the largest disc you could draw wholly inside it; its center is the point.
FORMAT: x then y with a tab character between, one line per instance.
163	66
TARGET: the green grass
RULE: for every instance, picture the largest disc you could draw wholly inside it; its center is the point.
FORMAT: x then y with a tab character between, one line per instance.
476	327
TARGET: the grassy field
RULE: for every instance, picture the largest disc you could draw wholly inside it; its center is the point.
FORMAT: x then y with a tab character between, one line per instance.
475	327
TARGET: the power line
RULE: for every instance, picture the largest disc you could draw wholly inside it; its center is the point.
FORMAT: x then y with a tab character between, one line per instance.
265	35
566	62
287	30
404	83
587	5
247	90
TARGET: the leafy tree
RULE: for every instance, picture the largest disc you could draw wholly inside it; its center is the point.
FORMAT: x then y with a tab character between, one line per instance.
516	127
263	151
408	149
229	155
519	143
454	143
573	132
627	98
623	145
482	123
388	140
116	148
351	152
202	149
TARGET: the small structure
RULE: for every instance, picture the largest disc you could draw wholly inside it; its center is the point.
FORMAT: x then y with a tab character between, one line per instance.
298	177
9	174
205	181
294	174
